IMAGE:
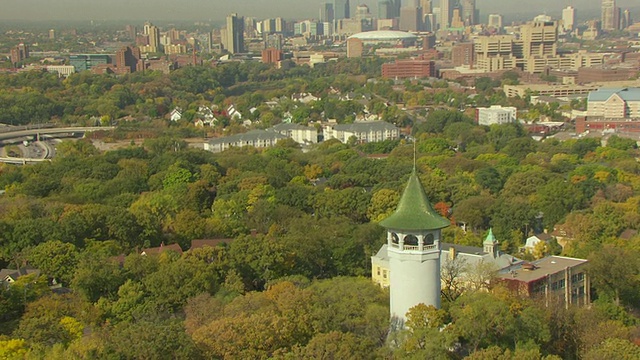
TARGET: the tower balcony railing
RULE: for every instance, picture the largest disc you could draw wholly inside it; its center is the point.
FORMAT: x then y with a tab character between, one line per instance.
412	247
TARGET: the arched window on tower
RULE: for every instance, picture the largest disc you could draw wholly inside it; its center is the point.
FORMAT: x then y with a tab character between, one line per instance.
429	240
410	240
395	239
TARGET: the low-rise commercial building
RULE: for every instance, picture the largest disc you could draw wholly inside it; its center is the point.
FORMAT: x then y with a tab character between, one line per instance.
553	278
496	114
402	69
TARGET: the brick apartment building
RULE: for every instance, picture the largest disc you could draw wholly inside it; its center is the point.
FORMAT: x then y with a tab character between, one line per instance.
402	69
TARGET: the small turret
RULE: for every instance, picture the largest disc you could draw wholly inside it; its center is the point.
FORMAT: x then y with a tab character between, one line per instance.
490	244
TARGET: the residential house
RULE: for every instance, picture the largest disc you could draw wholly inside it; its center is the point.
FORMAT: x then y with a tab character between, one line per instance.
9	276
304	98
162	248
175	114
534	240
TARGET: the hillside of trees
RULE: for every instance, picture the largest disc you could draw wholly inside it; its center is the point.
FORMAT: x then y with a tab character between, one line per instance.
304	272
290	279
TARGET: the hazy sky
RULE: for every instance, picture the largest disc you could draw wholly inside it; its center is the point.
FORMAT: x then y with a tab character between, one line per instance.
218	9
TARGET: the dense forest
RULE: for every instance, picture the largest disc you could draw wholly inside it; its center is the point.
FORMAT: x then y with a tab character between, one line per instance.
289	279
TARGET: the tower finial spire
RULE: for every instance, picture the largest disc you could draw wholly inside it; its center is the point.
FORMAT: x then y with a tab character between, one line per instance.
414	154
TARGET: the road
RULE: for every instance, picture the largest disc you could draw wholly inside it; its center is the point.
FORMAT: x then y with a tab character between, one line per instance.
67	130
39	151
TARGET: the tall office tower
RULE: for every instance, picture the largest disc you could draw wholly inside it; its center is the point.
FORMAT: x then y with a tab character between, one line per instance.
568	18
469	13
456	18
362	12
395	6
280	25
446	10
19	53
131	31
326	12
429	22
626	20
539	39
153	34
427	6
269	26
610	15
411	18
385	9
495	21
234	34
52	34
341	9
250	27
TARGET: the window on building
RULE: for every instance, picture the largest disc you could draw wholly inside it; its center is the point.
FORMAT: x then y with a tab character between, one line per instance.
429	239
378	270
394	238
411	240
384	274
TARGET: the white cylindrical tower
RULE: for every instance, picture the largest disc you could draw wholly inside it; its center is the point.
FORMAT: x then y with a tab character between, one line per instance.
413	246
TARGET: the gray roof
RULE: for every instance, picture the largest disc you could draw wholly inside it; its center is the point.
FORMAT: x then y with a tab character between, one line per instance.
15	274
627	94
252	135
365	126
472	255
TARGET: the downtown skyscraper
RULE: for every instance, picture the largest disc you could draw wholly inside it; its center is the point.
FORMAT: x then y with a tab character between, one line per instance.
610	15
234	41
341	9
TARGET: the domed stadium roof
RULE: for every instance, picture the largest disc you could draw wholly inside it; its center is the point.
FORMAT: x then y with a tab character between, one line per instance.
383	35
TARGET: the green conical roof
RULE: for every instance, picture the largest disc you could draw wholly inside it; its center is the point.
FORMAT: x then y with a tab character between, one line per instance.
414	212
490	239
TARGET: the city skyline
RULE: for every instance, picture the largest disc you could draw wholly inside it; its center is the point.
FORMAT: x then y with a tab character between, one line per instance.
35	10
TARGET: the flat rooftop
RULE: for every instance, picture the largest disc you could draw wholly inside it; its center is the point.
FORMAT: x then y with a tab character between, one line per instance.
541	268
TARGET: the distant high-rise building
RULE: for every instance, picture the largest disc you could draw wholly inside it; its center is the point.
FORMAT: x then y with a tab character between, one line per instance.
52	34
234	34
568	18
131	31
326	12
411	18
626	20
341	9
19	53
427	6
280	24
469	13
362	12
446	10
429	22
127	59
153	34
495	21
610	15
385	10
274	41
